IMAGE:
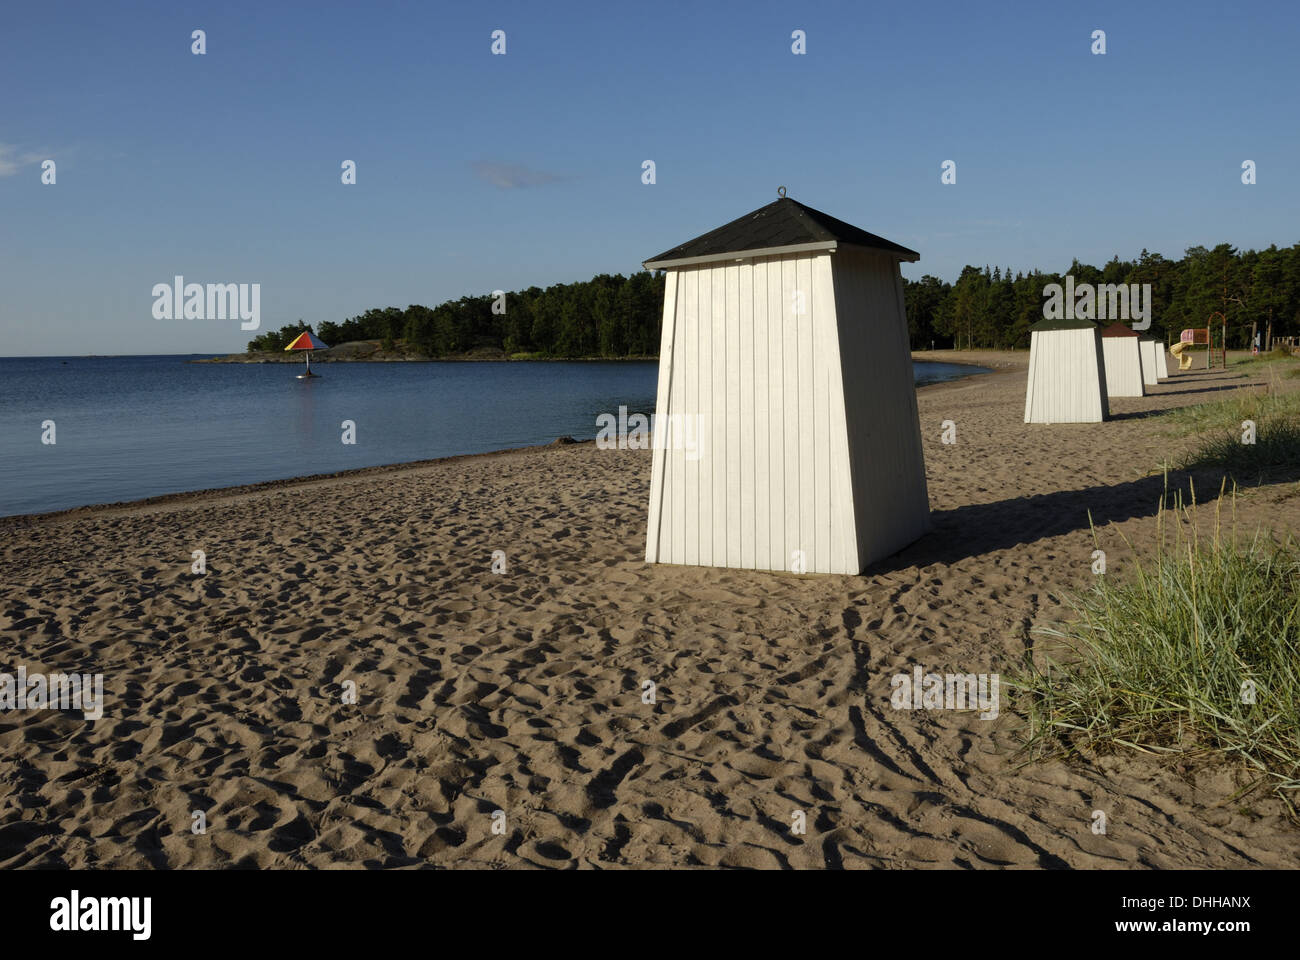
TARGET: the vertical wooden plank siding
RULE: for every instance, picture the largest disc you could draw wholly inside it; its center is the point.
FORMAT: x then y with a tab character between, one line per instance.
1032	379
674	465
1149	375
1102	408
718	427
1067	377
915	522
843	548
732	412
688	547
807	450
790	411
779	552
798	367
704	413
1123	367
1133	362
662	405
762	420
745	399
820	315
890	501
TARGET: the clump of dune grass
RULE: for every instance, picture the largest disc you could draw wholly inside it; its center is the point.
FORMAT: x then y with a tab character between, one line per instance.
1271	452
1275	454
1166	656
1280	353
1232	410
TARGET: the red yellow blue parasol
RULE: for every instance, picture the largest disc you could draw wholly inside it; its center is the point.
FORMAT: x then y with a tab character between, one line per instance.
307	341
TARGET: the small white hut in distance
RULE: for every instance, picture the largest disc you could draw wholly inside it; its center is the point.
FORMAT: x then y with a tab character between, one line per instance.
1123	356
1067	373
786	424
1150	374
1162	362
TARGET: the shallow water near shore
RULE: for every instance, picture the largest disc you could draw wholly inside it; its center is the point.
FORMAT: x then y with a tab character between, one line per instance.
126	428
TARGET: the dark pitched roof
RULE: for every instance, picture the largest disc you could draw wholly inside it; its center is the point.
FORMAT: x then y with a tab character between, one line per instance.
1044	325
1118	330
782	223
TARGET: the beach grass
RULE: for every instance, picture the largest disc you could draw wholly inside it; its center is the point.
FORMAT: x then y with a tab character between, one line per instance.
1225	442
1193	655
1276	355
1274	456
1230	412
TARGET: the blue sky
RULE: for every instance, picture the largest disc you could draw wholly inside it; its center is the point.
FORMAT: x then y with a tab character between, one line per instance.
478	172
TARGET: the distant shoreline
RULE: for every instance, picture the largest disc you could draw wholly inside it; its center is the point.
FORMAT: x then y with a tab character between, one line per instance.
323	357
318	357
954	357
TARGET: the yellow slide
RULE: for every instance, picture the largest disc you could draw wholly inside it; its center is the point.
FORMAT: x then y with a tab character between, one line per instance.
1184	359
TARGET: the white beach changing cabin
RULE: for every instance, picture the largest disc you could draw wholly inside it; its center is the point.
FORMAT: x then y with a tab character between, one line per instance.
786	434
1123	361
1067	373
1150	375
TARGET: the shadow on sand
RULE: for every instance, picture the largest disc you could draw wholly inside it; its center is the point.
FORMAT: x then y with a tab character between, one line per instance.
984	527
980	528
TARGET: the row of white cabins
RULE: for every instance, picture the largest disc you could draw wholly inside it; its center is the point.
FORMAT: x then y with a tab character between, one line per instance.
1075	367
787	403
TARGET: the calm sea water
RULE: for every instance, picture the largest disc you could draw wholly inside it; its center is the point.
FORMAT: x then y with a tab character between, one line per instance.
133	427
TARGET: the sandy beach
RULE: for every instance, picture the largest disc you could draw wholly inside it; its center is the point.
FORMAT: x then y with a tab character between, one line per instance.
521	691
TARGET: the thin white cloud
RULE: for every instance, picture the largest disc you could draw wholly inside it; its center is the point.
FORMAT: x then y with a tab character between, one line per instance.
12	159
513	176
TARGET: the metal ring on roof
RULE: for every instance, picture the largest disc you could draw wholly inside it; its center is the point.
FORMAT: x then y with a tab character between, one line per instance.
780	192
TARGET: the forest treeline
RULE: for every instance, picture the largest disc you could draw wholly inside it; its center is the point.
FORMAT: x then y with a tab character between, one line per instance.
617	316
994	309
607	316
